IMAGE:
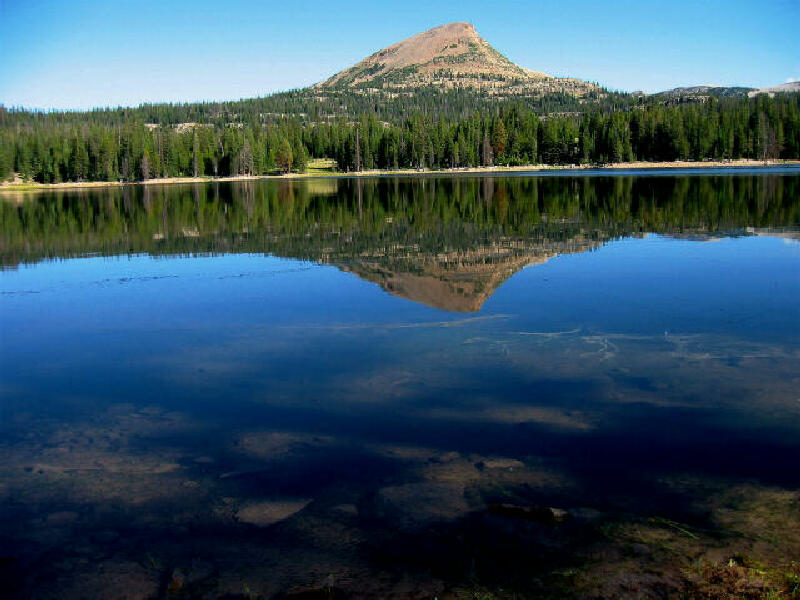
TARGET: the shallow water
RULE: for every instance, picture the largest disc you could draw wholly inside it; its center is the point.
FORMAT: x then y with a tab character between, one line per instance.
260	388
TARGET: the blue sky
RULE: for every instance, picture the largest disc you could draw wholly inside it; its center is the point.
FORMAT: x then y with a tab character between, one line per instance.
84	53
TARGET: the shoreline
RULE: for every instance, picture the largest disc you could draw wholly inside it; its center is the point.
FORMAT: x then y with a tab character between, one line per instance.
632	166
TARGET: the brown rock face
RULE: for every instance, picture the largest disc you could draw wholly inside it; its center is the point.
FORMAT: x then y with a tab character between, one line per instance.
451	56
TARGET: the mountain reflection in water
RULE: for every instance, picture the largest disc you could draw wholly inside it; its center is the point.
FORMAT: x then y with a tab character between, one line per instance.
445	242
205	395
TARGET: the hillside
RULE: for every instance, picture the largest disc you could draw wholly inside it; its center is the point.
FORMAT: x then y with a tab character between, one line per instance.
451	56
705	91
784	88
711	91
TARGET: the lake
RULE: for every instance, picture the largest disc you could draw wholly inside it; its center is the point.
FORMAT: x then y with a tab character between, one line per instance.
454	387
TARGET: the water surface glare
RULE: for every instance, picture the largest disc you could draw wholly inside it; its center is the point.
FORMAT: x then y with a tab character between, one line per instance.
358	387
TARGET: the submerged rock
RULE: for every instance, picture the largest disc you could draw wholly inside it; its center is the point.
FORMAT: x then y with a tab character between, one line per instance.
320	593
105	537
414	504
267	513
63	517
176	581
538	514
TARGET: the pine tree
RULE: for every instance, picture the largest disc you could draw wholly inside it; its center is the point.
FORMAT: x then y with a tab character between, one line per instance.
487	155
499	138
357	162
197	163
145	166
283	155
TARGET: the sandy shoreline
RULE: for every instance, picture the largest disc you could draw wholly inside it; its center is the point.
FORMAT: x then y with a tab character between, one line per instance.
21	187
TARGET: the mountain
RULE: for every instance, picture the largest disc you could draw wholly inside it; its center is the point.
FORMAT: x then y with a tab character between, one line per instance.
784	88
700	91
450	56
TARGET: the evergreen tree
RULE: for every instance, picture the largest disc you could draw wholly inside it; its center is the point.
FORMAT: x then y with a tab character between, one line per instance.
499	138
487	156
283	155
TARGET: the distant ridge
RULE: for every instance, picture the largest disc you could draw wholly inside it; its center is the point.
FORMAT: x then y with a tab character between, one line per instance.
715	91
784	88
450	56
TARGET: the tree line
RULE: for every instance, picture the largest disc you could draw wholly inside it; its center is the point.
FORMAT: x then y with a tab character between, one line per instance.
56	147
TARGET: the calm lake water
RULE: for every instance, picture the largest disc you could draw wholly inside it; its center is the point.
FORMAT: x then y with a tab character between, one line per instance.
382	387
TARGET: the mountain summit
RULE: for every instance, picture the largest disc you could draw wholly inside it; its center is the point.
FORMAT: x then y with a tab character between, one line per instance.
450	56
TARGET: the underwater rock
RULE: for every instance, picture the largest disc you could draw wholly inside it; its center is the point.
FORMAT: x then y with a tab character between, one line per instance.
263	514
538	514
420	503
176	581
63	517
321	593
105	537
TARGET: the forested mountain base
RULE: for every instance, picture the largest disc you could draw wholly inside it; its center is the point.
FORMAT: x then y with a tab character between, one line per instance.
127	145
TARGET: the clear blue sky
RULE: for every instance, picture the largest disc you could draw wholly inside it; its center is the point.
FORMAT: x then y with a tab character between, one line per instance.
84	53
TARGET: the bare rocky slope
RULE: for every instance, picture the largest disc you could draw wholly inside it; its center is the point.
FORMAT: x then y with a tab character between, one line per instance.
706	91
784	88
450	56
